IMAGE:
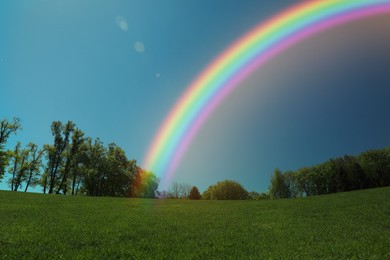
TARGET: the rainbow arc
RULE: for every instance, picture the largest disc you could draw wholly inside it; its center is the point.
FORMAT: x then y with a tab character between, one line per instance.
244	56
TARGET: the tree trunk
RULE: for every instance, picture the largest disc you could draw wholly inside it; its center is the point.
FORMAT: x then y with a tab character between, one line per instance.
65	177
29	180
45	184
13	174
78	186
53	175
74	179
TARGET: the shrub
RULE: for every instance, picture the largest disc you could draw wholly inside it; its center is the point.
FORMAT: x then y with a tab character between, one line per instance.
194	194
226	190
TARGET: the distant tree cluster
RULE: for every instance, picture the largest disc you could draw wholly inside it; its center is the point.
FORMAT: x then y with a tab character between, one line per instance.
225	190
370	169
179	191
73	164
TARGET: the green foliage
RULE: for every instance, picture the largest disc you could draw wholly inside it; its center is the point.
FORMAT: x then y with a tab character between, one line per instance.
225	190
72	160
351	225
34	165
26	164
6	129
368	170
56	154
253	195
74	164
106	171
144	184
77	165
194	194
279	186
5	157
264	196
376	166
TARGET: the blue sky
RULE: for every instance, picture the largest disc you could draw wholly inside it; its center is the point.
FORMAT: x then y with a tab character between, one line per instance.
116	68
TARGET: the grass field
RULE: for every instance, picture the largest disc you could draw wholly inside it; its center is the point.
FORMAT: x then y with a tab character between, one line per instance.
340	226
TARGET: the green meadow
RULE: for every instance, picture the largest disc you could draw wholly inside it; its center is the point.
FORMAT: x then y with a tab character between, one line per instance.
338	226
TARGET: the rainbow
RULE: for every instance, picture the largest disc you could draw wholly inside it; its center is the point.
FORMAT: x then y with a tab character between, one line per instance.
225	73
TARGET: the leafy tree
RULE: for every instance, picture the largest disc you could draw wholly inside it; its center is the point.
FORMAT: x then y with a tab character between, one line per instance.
355	177
194	194
376	167
264	196
93	168
71	161
150	185
16	158
5	156
279	186
108	172
324	182
78	160
304	182
209	194
55	154
144	184
345	169
226	190
6	129
34	164
25	166
292	183
117	177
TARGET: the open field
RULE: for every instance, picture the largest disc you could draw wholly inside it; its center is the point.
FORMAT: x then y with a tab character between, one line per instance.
345	225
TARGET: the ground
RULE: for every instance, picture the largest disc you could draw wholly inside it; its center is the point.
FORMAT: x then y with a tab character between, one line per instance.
339	226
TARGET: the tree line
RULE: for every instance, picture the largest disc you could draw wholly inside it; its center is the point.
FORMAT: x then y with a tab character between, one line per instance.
223	190
180	191
73	164
370	169
76	164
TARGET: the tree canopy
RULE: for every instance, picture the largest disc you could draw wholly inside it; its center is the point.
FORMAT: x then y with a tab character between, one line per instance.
369	169
6	129
73	164
226	190
194	194
77	164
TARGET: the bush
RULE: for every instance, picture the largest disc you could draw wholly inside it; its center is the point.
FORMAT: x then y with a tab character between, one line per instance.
226	190
194	194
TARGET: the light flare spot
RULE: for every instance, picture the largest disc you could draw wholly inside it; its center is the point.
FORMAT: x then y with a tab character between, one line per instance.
122	23
139	47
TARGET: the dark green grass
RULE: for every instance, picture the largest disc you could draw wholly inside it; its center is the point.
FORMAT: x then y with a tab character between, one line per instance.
339	226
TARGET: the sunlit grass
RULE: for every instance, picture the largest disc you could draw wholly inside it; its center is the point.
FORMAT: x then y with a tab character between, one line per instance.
339	226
